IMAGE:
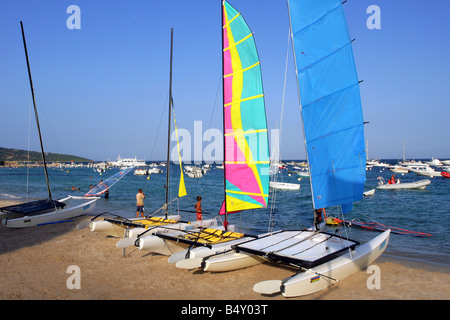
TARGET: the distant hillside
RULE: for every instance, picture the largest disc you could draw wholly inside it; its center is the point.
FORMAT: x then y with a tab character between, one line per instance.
22	155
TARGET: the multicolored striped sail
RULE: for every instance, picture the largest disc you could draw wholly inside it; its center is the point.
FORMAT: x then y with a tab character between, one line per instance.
330	102
246	139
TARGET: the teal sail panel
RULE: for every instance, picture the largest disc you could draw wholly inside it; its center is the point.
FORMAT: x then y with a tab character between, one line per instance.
330	102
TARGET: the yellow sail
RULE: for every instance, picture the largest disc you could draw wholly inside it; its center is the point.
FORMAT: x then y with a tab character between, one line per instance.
181	188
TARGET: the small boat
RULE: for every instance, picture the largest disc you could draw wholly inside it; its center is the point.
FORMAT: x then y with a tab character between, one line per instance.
284	185
35	213
421	184
370	192
425	171
141	172
434	162
398	169
303	173
445	174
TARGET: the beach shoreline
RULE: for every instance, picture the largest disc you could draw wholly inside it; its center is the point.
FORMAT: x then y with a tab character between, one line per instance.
38	263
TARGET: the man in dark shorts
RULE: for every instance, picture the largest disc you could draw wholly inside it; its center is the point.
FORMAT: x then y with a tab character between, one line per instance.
140	203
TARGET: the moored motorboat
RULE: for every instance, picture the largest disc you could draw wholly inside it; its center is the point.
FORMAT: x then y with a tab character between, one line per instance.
284	185
421	184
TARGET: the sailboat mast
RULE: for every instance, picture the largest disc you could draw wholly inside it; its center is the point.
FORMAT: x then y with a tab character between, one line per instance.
223	118
35	112
168	127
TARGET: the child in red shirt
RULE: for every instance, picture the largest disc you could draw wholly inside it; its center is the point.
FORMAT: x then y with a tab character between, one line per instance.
198	208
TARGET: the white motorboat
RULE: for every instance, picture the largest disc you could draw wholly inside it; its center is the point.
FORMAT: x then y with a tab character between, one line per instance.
421	184
284	185
398	169
425	171
434	162
127	162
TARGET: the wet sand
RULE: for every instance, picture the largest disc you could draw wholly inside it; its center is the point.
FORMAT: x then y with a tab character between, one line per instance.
34	264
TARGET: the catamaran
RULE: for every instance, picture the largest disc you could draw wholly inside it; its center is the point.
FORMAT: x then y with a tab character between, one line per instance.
246	165
131	228
44	211
334	140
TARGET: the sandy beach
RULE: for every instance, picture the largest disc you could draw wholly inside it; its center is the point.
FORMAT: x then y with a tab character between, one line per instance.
34	264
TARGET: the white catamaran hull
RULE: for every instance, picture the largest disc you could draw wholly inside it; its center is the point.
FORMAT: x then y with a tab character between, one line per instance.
322	276
232	261
153	243
56	215
117	230
192	258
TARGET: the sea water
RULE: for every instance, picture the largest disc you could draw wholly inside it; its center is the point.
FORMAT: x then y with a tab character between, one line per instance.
425	211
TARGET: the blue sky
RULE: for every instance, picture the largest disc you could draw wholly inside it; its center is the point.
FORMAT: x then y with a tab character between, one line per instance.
102	89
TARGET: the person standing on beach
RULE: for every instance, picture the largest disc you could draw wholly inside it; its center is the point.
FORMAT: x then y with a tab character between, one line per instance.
198	208
140	203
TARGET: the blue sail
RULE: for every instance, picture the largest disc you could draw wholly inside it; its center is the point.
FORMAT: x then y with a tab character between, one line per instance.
330	102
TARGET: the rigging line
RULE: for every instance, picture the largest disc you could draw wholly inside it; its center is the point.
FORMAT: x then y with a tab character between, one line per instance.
272	207
41	108
159	126
298	242
368	217
309	248
284	85
28	153
282	240
215	101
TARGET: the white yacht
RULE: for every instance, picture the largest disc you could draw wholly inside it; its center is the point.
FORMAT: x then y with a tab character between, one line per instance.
127	162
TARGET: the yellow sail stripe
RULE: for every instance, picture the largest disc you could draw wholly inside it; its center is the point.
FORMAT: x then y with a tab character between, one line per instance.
236	43
246	132
228	23
242	100
247	193
243	70
247	162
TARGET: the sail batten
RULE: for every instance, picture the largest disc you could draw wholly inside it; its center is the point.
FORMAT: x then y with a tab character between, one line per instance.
246	149
330	105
